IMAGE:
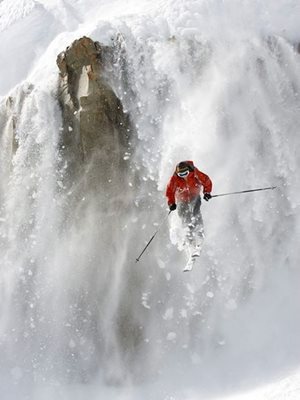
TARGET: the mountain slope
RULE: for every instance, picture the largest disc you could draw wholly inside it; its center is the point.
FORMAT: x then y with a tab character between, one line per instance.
200	80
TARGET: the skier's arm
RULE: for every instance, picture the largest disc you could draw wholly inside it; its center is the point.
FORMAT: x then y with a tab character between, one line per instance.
205	181
170	192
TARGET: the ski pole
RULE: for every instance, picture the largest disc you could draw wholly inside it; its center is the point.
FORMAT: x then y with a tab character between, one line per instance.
155	233
244	191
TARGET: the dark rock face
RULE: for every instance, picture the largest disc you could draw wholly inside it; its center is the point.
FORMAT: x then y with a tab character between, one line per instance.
95	142
8	127
95	128
81	169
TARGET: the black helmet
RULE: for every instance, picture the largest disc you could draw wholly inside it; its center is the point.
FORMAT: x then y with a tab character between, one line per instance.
183	169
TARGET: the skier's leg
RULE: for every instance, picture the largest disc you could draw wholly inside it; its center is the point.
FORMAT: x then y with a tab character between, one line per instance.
198	221
185	212
190	222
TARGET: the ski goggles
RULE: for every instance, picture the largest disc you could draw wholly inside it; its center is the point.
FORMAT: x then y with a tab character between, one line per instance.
183	174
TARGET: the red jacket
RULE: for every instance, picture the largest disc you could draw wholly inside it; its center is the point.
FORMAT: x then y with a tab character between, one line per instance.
186	189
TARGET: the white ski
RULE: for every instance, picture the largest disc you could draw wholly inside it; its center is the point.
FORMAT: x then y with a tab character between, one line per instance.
191	262
193	250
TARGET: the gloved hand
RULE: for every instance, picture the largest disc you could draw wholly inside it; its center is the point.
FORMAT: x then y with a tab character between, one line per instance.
172	207
207	196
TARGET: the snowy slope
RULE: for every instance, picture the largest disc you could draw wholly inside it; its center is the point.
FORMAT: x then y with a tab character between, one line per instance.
216	82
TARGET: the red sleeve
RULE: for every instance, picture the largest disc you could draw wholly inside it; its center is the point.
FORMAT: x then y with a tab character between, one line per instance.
171	188
205	181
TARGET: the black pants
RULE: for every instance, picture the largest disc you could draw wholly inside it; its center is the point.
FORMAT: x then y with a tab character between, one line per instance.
191	218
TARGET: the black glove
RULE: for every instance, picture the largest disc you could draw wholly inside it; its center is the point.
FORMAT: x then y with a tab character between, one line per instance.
207	196
172	207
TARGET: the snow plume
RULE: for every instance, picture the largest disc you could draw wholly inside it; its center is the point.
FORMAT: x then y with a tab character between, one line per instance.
216	82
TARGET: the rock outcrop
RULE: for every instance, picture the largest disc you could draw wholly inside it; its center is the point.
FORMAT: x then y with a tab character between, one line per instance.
95	143
95	129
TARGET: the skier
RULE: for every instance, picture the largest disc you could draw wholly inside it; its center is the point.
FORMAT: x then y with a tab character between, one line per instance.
183	193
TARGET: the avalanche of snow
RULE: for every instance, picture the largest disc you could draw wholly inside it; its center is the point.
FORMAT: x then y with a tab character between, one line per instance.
214	81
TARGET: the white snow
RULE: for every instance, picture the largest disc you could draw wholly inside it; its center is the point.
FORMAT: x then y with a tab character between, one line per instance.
214	81
171	336
169	313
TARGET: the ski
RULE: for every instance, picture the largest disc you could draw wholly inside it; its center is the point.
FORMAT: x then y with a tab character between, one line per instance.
191	262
